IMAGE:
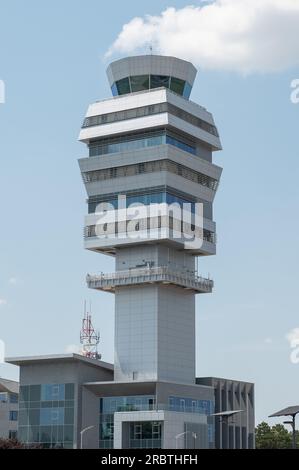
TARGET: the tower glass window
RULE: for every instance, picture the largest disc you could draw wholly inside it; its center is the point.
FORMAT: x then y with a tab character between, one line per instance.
158	81
177	85
138	142
123	86
139	83
136	83
153	197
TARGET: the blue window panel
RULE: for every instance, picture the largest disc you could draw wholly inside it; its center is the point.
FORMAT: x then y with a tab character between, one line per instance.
211	433
180	145
13	398
68	433
177	85
123	86
23	433
146	199
53	392
3	397
125	146
110	405
114	90
13	416
187	90
51	416
158	81
45	434
137	144
139	83
205	407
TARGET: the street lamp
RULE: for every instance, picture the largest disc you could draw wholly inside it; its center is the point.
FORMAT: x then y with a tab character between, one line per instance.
225	417
194	435
81	434
178	436
291	411
292	423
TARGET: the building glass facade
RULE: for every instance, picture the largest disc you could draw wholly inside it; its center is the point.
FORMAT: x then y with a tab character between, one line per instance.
148	434
137	142
110	405
152	197
145	435
46	415
193	405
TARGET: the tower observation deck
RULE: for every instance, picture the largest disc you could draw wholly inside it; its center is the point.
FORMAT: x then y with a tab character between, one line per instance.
151	184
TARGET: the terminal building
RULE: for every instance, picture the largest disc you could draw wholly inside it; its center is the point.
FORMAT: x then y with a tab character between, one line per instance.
151	182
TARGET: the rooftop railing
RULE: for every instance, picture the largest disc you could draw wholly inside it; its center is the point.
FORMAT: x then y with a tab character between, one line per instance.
151	275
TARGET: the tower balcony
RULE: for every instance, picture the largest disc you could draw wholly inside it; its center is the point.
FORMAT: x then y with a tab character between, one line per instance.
151	275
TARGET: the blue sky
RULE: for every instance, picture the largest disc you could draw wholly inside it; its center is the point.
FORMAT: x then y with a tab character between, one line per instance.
52	62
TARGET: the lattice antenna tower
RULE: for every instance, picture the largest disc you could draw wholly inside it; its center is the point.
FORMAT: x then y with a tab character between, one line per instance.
89	337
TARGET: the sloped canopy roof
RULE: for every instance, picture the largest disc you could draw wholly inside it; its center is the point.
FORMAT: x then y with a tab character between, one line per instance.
290	411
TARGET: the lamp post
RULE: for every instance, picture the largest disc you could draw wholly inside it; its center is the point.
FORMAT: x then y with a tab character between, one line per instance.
292	423
178	436
291	411
224	417
81	434
194	435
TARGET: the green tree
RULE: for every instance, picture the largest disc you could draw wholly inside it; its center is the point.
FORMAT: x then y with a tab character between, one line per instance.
275	437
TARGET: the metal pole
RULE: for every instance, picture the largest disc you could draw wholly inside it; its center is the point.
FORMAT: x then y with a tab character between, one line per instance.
81	435
294	431
178	436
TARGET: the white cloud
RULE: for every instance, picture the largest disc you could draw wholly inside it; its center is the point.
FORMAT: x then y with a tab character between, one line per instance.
3	302
13	280
268	340
293	337
73	349
246	36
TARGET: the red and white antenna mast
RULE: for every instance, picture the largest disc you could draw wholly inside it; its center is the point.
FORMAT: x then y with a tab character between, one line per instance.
89	338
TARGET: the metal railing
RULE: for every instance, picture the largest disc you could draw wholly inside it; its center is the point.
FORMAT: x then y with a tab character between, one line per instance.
160	407
161	274
145	443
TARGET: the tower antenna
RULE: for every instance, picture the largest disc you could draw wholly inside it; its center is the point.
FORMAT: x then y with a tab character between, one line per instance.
151	48
89	337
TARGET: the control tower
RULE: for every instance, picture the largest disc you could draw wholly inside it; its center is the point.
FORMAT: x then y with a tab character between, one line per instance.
150	148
